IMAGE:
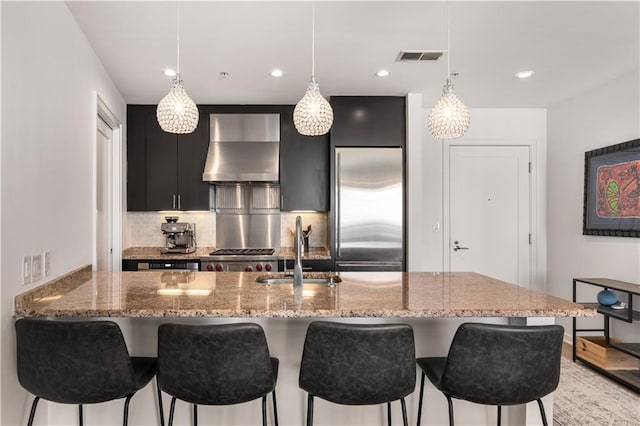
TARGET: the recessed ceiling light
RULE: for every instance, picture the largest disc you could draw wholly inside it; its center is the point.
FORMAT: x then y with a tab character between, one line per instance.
169	72
383	73
524	74
277	73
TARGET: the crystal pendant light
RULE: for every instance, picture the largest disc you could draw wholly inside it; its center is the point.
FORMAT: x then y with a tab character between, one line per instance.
449	118
313	115
176	112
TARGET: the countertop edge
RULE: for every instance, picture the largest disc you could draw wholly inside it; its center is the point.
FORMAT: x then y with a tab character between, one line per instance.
587	312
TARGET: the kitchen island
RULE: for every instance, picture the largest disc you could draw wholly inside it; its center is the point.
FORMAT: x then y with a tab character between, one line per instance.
83	293
434	304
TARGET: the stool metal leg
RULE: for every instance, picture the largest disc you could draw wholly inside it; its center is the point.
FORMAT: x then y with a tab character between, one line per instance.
125	416
171	410
32	414
264	410
544	416
420	400
310	410
80	419
499	415
389	413
275	408
160	401
404	412
450	402
195	414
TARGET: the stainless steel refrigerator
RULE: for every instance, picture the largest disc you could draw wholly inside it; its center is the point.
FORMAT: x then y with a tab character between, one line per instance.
368	209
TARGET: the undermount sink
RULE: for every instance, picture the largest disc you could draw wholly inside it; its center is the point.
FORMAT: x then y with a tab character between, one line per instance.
317	278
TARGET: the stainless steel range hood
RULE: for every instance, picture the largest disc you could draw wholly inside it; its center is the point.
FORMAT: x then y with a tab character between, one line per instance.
243	148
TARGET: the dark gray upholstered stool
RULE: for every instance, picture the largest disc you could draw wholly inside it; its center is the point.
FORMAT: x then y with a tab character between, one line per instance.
216	365
78	362
358	364
497	365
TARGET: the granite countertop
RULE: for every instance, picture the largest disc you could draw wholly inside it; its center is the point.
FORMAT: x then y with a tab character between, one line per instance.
84	293
137	253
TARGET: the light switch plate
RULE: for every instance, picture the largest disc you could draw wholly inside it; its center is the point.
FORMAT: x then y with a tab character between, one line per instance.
26	269
46	263
36	268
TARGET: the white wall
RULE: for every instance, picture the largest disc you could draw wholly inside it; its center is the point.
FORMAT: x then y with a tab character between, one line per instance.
50	76
604	116
425	170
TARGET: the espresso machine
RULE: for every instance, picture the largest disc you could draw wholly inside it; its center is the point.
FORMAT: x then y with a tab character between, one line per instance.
180	236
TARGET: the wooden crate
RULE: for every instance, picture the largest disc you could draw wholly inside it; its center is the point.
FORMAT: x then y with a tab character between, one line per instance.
595	350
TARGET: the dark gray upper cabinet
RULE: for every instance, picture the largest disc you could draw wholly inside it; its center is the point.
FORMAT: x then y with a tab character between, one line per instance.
304	168
192	155
368	121
164	170
136	159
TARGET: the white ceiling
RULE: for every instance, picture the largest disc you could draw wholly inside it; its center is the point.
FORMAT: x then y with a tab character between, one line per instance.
572	47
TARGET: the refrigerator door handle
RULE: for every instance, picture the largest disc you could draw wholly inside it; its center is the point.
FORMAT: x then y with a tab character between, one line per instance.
338	202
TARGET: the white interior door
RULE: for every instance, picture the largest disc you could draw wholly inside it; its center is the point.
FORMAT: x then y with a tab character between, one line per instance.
489	212
104	135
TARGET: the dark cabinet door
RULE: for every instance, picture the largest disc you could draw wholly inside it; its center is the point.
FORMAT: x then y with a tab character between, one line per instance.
164	170
304	168
162	167
368	121
192	154
136	159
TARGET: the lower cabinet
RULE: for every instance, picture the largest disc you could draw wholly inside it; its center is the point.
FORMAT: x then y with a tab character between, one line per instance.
308	265
153	264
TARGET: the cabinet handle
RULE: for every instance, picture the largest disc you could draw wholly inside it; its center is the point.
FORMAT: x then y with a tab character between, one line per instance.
179	202
173	204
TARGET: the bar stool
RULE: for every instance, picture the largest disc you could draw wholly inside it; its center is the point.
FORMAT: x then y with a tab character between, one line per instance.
358	364
497	365
78	362
216	365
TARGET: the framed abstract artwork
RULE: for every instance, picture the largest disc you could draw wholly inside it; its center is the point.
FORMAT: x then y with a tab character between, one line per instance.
612	190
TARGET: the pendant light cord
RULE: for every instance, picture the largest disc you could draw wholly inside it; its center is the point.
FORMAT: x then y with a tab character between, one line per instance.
178	41
448	45
313	41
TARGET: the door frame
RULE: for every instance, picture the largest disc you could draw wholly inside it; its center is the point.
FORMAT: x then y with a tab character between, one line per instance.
115	160
537	206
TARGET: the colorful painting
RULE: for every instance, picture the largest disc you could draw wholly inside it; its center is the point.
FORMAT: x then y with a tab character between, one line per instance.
612	191
619	190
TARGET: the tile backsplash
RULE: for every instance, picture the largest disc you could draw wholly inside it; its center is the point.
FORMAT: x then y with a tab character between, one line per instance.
143	228
319	228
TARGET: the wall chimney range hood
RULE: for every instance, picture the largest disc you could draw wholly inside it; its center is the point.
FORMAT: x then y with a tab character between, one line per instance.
243	148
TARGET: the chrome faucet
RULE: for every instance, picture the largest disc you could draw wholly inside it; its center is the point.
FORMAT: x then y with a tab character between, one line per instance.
297	265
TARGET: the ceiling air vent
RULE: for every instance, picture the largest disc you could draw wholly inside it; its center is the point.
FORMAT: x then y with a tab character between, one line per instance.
419	55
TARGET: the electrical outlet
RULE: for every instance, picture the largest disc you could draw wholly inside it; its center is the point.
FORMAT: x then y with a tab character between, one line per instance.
36	267
26	269
46	263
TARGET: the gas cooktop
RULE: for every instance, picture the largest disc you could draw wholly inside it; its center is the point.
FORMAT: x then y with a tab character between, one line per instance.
243	252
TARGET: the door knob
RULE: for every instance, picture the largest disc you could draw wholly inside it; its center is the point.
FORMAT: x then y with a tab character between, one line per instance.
456	246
